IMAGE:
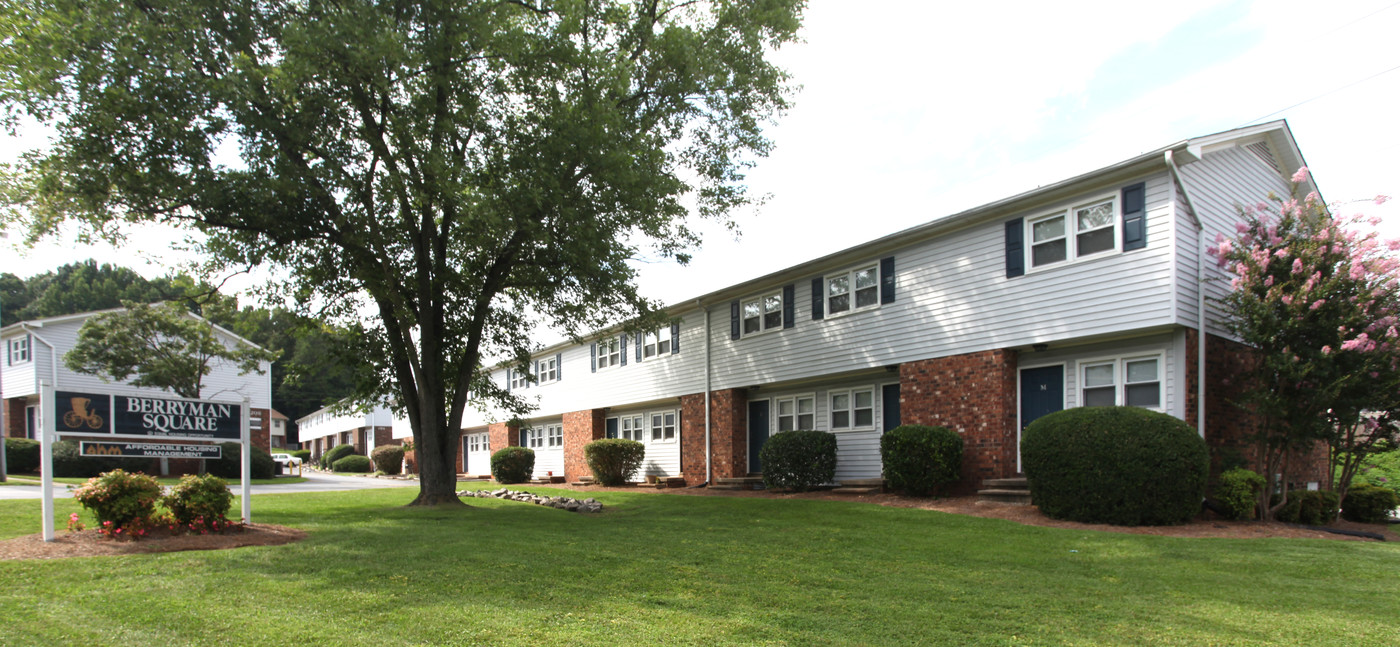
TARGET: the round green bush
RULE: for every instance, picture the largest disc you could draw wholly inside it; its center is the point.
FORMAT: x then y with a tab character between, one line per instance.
1238	492
614	460
21	455
1308	507
1118	465
119	497
69	463
199	497
1369	504
798	460
512	464
919	459
230	465
334	454
353	463
387	459
303	454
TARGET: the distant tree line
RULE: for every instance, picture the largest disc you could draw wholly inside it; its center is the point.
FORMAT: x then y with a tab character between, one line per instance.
313	370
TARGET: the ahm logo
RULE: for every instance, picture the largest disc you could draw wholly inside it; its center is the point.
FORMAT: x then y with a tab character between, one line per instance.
80	415
100	450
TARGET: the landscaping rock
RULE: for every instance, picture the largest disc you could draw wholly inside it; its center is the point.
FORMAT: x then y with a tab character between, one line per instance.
558	502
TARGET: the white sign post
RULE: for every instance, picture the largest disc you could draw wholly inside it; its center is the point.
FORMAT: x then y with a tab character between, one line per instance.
92	415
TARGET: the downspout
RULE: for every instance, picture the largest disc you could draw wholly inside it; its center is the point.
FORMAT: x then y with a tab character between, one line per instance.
708	475
1200	296
53	352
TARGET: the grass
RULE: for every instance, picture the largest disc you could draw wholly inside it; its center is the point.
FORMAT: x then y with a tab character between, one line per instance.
35	479
677	570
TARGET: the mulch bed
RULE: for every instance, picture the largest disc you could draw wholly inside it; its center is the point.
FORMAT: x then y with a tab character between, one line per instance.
88	543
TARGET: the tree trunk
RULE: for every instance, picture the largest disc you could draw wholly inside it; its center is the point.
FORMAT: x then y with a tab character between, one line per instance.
436	451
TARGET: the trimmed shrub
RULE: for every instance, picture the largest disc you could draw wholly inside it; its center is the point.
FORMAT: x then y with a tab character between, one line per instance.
1125	466
512	464
919	459
614	460
68	462
1369	504
798	460
353	463
120	497
1309	507
303	454
199	497
1238	492
334	454
230	466
21	455
388	459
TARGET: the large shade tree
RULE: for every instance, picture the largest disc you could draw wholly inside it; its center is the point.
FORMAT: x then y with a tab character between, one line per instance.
450	165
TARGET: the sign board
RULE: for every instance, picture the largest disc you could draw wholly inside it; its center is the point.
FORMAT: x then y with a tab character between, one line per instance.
150	450
93	414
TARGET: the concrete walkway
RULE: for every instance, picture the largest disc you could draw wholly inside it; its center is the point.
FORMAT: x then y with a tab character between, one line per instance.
315	482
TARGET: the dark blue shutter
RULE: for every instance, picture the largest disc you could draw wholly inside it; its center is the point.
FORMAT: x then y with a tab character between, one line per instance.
789	314
887	280
558	366
1015	248
622	347
641	339
675	337
508	373
593	358
1134	217
734	319
818	303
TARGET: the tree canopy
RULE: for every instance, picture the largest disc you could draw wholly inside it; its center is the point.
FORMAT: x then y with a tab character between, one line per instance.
452	165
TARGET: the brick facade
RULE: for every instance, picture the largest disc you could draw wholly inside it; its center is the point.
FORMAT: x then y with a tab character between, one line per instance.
502	436
729	435
14	417
973	394
581	428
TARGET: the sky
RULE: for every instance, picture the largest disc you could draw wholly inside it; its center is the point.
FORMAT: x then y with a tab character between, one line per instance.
913	110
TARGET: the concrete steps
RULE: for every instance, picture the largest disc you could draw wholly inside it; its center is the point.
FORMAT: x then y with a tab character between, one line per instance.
739	483
860	486
1014	491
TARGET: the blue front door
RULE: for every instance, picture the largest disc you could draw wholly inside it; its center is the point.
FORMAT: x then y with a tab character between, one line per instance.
758	433
1042	392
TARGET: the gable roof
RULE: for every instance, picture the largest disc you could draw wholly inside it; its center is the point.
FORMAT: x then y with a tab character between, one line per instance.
49	321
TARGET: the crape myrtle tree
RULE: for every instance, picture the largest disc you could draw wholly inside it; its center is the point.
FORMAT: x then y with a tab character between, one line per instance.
1319	300
450	166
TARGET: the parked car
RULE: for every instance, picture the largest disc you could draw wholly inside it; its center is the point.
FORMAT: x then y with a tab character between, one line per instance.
286	460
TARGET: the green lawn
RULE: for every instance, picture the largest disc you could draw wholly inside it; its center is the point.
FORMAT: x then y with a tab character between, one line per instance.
657	569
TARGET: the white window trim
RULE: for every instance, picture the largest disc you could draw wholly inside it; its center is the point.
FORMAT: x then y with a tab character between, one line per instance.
653	339
759	300
16	346
650	426
541	371
831	409
518	379
796	411
1120	376
850	275
1072	232
639	426
603	351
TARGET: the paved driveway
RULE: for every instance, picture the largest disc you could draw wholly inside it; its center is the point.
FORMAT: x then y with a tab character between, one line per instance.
315	482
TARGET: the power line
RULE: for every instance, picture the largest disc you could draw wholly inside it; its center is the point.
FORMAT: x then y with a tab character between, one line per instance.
1319	96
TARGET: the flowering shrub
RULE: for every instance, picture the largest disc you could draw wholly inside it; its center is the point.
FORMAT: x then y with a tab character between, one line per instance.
199	497
1320	302
119	499
75	523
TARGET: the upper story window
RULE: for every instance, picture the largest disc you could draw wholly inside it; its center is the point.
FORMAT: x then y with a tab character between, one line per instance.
663	426
609	352
853	408
656	343
518	380
797	413
17	350
856	289
1135	382
762	314
1082	230
547	370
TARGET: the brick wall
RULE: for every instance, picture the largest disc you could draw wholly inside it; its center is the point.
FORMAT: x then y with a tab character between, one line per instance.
14	417
502	436
728	435
260	429
973	394
581	428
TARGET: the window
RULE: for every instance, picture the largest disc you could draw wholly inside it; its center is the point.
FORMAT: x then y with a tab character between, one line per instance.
19	350
547	370
1135	382
657	343
609	353
857	289
763	314
663	426
554	436
797	413
1080	231
518	379
853	409
630	428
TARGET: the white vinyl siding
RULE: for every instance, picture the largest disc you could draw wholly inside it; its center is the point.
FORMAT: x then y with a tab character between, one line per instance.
663	457
547	441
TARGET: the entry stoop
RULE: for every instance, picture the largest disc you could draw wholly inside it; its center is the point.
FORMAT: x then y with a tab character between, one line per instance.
740	483
860	486
1015	491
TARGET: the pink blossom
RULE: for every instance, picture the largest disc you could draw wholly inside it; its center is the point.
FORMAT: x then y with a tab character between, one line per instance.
1287	299
1269	281
1317	304
1301	176
1326	350
1297	266
1382	199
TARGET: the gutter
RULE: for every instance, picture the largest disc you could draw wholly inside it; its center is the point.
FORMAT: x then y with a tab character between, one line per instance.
53	351
1200	295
